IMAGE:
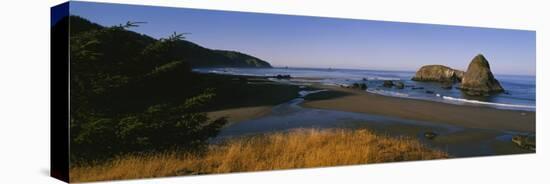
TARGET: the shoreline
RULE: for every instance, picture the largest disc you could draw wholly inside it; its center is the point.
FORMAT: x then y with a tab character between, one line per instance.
467	116
479	127
461	129
359	101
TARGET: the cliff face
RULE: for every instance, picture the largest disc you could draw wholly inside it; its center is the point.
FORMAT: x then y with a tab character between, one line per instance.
438	73
478	79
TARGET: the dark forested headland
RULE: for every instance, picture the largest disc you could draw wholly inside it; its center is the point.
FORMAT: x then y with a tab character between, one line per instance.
131	93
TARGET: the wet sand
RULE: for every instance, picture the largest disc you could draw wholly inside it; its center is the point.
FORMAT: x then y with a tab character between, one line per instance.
482	130
234	115
457	115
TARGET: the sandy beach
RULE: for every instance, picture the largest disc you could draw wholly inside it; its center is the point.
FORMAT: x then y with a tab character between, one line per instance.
481	128
459	115
240	114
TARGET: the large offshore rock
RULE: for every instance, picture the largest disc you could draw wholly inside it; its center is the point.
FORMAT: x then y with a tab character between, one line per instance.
478	79
438	73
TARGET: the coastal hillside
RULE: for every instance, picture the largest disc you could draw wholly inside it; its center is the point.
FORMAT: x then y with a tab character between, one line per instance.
193	54
131	93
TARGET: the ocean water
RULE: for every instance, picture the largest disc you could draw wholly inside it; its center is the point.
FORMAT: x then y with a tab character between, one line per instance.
520	90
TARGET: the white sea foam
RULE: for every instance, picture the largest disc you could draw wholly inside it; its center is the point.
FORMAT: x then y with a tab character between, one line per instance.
387	93
304	93
384	78
488	103
333	84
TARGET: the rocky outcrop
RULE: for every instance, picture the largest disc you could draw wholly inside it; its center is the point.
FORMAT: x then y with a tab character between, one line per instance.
362	86
283	77
525	141
478	79
438	73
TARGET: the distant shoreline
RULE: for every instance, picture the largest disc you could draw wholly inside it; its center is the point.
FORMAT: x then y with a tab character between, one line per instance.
512	100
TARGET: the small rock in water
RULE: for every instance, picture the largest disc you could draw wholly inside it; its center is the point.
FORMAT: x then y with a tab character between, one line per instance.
399	85
430	135
429	92
283	76
417	87
364	79
388	83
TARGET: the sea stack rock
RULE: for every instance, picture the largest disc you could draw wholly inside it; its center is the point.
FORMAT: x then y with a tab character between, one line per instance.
438	73
478	79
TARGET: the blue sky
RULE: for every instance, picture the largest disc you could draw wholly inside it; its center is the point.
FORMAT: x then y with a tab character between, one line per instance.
301	41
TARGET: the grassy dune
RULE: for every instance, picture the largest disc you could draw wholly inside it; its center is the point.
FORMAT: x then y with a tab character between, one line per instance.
295	149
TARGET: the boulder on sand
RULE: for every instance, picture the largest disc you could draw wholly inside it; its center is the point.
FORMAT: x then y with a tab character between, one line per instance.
525	141
362	86
438	73
478	79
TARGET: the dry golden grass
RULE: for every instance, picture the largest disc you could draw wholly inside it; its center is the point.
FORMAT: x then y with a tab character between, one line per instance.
301	148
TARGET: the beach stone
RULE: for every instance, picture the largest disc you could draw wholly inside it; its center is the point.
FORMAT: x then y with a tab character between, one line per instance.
363	86
399	85
388	83
430	135
525	141
438	73
429	92
283	76
478	79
